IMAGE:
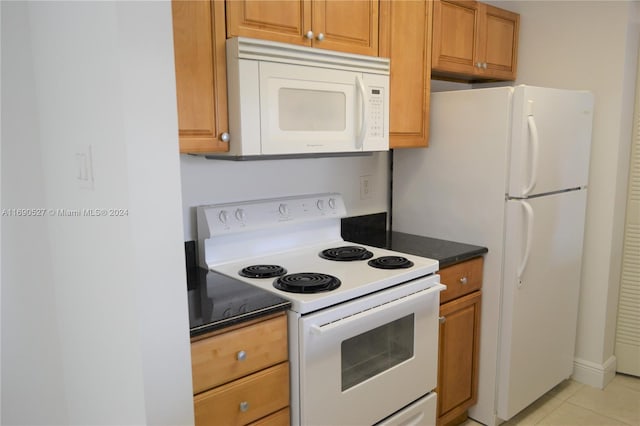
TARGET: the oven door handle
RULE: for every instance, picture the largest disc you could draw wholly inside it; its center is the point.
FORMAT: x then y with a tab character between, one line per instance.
326	328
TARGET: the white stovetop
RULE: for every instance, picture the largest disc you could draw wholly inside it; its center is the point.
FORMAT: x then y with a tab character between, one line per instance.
357	277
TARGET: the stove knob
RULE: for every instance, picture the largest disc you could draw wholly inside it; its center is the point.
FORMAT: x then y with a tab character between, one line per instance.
332	203
320	204
283	209
223	216
240	215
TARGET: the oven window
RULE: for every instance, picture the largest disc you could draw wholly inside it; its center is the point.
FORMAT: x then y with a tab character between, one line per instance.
377	350
311	110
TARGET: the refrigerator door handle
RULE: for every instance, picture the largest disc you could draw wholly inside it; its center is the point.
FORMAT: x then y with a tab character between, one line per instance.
529	237
535	148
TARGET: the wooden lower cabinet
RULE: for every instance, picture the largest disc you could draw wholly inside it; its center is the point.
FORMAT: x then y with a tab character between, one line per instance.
280	418
459	345
241	376
245	400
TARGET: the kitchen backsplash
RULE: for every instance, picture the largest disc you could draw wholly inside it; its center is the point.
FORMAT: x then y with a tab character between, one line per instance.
362	181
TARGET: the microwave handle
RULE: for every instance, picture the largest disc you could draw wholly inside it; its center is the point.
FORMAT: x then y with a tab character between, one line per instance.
363	98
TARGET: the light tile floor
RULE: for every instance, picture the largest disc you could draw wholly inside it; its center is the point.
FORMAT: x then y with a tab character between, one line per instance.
572	403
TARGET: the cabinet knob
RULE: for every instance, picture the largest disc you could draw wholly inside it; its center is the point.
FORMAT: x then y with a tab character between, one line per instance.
309	35
241	356
244	406
225	137
442	320
478	65
464	280
320	37
484	65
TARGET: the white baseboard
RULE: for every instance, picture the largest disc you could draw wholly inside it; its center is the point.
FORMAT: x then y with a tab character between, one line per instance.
594	374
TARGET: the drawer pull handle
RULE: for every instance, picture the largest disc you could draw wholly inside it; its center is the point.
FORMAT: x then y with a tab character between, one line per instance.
244	406
241	356
442	320
464	281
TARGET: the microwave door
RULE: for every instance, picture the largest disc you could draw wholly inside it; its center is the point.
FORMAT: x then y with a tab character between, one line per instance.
310	110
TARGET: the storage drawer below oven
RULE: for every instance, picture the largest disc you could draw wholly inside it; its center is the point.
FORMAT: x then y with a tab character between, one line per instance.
420	413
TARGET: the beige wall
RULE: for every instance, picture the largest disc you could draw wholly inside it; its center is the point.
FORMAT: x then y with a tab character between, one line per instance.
94	309
222	181
590	45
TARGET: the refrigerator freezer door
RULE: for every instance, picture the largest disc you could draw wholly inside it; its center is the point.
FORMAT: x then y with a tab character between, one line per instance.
539	309
455	188
551	140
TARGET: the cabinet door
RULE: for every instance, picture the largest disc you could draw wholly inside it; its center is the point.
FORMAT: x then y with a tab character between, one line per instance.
458	357
405	38
201	75
346	26
499	44
286	21
456	27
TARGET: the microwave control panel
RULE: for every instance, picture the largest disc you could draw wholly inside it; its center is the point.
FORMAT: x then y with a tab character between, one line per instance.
375	127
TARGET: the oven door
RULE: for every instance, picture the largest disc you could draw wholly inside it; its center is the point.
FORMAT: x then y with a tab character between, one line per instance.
364	360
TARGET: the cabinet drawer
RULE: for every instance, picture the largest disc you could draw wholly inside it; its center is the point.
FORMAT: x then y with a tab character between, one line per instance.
244	400
461	279
281	418
228	356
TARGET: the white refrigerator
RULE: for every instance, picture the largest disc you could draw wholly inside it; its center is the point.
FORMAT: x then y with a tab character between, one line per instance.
507	168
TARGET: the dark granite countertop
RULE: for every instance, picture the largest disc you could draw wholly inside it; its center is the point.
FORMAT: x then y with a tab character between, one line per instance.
371	230
217	301
446	252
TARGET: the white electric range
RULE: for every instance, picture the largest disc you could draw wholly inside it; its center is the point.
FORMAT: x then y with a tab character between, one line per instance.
363	320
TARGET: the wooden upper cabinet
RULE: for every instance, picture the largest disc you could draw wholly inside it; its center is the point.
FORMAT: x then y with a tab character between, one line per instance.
500	48
346	26
201	75
455	34
405	37
284	21
474	41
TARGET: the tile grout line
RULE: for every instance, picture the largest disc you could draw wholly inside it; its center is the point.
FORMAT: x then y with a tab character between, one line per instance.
562	402
599	414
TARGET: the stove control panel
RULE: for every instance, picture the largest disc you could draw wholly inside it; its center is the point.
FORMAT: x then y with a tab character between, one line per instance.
228	218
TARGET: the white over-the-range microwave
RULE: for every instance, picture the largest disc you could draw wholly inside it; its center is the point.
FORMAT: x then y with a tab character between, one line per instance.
286	100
